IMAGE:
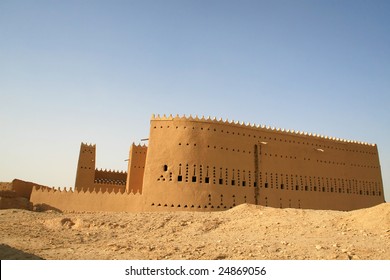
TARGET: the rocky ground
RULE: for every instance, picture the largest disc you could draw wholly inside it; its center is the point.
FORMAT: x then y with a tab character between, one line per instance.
244	232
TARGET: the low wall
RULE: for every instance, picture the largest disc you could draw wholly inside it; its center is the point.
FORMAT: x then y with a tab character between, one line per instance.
69	200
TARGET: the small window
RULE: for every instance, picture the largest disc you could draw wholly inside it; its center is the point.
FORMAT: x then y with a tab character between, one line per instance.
306	188
221	181
296	188
281	186
255	184
193	179
207	180
233	182
243	183
165	167
266	185
179	178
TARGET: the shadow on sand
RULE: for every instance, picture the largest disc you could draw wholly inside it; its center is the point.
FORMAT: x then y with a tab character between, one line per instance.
9	253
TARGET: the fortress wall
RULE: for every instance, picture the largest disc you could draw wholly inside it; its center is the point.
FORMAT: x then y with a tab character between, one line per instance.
204	159
108	175
315	200
23	188
108	181
222	198
106	187
136	168
86	201
189	197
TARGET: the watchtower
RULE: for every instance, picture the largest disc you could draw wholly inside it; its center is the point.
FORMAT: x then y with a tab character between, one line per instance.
85	175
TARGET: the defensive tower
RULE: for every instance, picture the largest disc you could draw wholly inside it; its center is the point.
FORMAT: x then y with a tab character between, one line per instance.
136	167
85	174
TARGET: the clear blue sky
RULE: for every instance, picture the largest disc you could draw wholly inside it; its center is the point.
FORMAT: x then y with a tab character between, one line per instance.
95	71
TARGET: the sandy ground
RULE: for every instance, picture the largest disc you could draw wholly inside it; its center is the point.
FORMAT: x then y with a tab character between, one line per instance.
244	232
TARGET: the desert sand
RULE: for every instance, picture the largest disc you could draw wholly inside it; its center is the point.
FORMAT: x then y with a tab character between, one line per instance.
244	232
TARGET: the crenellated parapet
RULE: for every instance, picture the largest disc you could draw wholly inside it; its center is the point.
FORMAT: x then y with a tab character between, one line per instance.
220	121
139	146
86	200
89	145
98	191
110	171
113	177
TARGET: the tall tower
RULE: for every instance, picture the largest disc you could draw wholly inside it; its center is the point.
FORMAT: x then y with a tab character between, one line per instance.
85	175
136	168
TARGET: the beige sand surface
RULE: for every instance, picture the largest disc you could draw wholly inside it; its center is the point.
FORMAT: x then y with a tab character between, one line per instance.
244	232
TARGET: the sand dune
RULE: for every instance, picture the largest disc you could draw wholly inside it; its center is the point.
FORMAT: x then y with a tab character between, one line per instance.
244	232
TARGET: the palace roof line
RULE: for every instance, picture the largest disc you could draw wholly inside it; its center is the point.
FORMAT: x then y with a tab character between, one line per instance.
214	120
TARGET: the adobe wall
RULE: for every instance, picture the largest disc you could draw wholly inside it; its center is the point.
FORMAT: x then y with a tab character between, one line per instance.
116	177
108	181
207	164
17	195
23	188
136	168
94	201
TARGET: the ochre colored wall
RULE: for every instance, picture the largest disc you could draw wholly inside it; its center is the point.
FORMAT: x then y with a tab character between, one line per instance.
118	177
109	181
17	195
23	188
136	168
220	164
67	200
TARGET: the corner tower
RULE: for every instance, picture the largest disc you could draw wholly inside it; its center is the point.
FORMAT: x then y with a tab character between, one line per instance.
85	174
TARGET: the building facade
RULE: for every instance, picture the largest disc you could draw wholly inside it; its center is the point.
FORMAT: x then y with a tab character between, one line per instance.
203	164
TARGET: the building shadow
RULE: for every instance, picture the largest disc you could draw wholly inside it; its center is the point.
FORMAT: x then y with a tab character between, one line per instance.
10	253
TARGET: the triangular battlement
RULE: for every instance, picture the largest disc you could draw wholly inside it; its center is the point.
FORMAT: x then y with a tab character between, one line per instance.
142	146
110	171
89	145
214	120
